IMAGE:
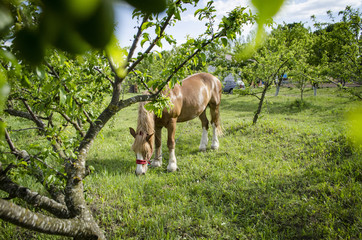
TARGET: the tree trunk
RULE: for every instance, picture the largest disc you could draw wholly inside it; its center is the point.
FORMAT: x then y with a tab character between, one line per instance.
277	90
278	84
261	100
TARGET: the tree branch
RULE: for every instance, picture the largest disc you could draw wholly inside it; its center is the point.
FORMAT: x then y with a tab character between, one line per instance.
75	124
32	198
56	194
35	119
8	140
143	82
18	113
39	222
101	72
148	50
137	38
355	94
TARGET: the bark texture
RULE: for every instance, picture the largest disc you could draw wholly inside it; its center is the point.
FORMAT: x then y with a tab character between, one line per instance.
39	222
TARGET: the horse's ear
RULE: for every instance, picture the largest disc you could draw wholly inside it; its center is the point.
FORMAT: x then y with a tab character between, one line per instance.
149	136
133	132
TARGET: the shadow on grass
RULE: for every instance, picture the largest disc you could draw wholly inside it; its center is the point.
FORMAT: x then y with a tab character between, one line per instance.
112	165
303	206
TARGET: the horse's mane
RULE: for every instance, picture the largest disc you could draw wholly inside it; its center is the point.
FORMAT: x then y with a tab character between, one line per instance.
145	130
145	122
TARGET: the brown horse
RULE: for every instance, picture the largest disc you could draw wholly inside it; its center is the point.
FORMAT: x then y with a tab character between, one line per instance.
190	100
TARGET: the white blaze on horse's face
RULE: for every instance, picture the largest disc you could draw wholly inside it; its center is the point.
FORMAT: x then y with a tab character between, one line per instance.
141	169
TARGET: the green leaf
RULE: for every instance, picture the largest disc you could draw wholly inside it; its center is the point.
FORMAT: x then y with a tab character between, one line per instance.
146	37
159	43
160	55
203	58
355	122
5	19
98	28
155	6
70	40
117	57
29	45
4	89
8	56
198	11
40	72
224	42
158	30
23	163
81	9
267	9
177	15
91	168
62	96
25	82
170	39
146	25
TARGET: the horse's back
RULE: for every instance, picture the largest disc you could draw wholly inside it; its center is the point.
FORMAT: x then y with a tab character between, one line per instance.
196	93
201	82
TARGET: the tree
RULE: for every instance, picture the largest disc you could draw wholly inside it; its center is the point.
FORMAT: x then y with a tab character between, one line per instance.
344	62
266	64
63	101
301	68
290	33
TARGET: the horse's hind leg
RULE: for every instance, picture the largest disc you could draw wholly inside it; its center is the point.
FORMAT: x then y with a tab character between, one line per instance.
215	122
171	129
157	162
205	127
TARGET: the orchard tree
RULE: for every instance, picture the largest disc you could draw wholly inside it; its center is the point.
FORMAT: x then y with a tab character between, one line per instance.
62	96
289	35
266	65
301	68
345	61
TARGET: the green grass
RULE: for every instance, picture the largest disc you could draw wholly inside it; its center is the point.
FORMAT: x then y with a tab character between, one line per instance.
293	175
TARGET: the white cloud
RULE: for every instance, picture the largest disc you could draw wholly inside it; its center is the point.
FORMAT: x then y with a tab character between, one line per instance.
223	7
295	11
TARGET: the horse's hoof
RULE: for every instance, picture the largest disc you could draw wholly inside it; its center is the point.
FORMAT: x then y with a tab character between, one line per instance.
156	163
172	168
202	149
214	147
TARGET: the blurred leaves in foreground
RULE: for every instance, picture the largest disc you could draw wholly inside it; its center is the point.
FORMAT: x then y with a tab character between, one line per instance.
266	10
354	118
75	26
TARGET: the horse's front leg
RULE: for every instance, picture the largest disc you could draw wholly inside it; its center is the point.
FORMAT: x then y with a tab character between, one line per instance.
171	129
157	162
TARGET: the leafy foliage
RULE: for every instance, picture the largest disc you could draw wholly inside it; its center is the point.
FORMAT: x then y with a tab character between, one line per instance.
343	63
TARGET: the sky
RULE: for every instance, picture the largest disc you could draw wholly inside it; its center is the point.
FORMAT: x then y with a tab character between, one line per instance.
291	11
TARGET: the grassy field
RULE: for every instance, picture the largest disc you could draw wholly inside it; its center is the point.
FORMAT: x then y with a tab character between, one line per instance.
293	175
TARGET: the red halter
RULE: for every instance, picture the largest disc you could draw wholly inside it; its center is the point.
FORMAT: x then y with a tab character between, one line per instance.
143	162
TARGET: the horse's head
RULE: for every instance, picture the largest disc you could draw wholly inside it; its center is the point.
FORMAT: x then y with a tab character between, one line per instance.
143	147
